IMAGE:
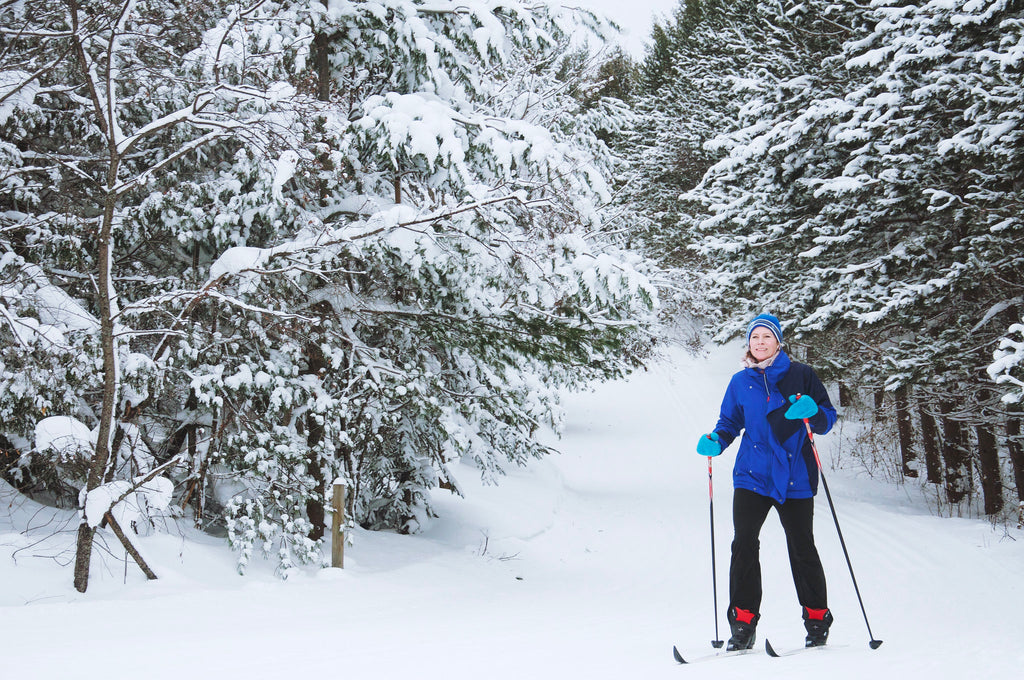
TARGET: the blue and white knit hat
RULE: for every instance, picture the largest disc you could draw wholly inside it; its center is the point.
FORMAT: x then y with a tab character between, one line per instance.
768	321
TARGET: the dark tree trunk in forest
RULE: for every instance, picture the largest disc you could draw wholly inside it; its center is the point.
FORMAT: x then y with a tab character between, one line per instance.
322	60
905	429
844	395
954	456
988	464
1015	446
315	510
323	67
879	404
930	443
316	363
991	479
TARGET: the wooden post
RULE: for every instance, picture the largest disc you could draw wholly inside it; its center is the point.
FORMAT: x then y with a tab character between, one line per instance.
338	525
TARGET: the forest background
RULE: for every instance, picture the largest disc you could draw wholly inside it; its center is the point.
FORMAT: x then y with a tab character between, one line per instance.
250	249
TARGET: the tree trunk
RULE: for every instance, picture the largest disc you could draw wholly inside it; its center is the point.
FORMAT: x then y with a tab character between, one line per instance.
930	443
314	504
991	479
106	305
129	548
954	456
315	511
879	404
844	395
1015	446
988	463
905	429
321	54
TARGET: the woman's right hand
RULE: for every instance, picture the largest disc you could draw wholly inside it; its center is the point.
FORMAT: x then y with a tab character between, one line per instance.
708	445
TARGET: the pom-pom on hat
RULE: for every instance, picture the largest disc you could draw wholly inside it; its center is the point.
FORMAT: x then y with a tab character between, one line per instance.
768	321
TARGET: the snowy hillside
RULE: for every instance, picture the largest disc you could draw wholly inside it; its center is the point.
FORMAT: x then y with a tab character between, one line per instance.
592	564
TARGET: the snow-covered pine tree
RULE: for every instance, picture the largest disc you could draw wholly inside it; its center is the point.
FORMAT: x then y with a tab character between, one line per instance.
1007	366
875	204
103	103
456	287
712	61
704	67
352	240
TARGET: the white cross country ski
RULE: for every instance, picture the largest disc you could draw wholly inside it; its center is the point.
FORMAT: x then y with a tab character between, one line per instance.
796	650
714	655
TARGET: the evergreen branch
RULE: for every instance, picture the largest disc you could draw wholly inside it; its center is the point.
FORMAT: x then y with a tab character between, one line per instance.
492	321
60	58
198	104
226	130
437	217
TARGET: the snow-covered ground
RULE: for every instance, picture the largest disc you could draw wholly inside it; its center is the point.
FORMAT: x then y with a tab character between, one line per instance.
591	564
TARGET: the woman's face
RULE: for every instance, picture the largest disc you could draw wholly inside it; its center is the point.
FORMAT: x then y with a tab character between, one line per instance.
763	343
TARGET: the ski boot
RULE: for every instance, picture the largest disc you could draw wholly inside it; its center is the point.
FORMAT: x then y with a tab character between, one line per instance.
743	624
817	623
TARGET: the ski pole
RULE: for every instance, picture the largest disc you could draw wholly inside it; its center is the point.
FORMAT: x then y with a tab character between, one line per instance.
717	642
875	644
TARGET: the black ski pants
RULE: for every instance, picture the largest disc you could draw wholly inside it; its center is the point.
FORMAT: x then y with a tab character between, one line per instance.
749	511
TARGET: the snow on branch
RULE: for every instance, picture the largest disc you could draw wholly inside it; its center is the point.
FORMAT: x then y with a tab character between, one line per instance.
1007	367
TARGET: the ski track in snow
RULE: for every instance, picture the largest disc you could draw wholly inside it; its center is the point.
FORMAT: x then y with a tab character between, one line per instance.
592	563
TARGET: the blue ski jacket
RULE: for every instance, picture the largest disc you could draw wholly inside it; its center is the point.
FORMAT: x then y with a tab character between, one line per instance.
775	458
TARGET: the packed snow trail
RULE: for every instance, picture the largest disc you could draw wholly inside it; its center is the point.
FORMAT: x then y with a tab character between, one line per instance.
591	564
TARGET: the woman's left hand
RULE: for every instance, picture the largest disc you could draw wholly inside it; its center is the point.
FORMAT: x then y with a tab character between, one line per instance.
802	407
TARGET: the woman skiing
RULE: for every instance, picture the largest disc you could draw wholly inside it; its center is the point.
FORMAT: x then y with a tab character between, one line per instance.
775	468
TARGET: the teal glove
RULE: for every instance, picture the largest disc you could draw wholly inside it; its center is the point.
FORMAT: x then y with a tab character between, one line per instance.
708	445
803	407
